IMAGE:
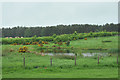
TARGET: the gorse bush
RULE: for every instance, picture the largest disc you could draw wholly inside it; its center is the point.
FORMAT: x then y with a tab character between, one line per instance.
57	38
25	40
23	49
60	38
48	38
75	32
54	35
34	38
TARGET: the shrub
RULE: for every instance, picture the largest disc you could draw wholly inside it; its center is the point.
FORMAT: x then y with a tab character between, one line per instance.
40	45
75	32
48	38
58	38
54	35
6	41
34	38
68	43
61	38
85	38
23	49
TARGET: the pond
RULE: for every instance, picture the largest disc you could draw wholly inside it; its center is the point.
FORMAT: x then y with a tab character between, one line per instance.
73	54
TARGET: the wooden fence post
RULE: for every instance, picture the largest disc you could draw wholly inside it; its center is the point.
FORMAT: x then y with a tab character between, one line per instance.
24	61
51	61
117	59
98	59
75	60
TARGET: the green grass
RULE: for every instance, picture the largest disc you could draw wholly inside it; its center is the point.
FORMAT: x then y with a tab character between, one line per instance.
96	43
83	73
93	43
38	66
62	68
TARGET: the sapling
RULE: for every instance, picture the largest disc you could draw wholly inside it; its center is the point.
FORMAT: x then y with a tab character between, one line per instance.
68	43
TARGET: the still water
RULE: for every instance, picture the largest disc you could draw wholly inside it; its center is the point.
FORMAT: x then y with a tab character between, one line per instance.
73	54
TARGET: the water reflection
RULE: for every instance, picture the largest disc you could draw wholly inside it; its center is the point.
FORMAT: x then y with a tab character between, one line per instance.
82	54
71	52
52	54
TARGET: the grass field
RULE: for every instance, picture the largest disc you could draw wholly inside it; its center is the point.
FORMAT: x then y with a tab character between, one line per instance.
38	66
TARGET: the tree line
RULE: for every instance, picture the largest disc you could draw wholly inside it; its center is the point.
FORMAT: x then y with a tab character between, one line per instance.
58	30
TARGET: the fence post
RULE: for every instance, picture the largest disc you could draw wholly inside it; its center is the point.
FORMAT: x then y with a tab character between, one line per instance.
117	59
75	60
98	59
51	61
24	61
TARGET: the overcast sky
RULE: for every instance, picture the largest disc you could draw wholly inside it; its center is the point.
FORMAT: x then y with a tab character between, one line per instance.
54	13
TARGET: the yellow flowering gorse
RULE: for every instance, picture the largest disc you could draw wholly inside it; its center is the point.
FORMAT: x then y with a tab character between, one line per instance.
24	49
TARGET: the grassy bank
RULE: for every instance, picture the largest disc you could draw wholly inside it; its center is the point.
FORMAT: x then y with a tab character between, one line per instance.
38	66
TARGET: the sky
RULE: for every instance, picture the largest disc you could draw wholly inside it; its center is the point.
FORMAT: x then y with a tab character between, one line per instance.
55	13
